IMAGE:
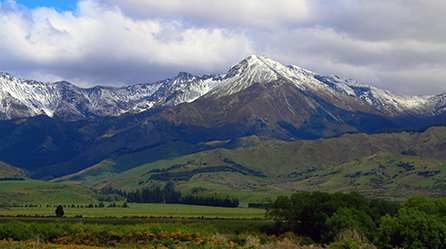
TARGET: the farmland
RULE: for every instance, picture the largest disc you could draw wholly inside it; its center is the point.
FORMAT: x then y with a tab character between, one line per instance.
34	191
138	210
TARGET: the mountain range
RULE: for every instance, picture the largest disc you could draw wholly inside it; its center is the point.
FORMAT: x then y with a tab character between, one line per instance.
52	130
65	101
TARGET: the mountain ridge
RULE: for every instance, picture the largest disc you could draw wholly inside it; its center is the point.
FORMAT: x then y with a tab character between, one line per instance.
257	97
62	100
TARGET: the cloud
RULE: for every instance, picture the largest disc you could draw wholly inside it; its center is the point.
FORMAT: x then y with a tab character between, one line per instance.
326	51
396	45
99	45
385	20
257	13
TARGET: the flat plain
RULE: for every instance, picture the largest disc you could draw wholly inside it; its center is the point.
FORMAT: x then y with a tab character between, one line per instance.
139	210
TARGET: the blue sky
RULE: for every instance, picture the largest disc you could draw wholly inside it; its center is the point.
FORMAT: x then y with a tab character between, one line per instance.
61	5
396	45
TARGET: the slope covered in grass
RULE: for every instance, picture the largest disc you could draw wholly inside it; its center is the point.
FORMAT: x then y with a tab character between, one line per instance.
34	191
385	164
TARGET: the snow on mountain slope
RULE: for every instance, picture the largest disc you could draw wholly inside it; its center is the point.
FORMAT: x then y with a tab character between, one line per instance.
387	102
260	69
24	98
186	88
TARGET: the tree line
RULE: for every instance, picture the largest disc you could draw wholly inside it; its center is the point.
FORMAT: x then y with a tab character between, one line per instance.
396	130
12	179
188	174
418	223
169	195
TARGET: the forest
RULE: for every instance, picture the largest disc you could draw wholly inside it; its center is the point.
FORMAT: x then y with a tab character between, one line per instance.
169	195
418	223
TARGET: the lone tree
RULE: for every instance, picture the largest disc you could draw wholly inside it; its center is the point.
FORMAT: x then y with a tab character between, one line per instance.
59	211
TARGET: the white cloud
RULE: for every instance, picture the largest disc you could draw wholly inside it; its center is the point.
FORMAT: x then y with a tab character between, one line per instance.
390	44
100	45
259	13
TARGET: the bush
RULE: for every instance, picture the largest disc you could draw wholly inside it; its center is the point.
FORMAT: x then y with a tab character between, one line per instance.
15	230
411	228
345	244
321	215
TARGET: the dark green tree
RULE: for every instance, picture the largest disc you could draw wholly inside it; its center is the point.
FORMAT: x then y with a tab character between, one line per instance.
170	195
312	214
350	218
411	229
59	211
380	208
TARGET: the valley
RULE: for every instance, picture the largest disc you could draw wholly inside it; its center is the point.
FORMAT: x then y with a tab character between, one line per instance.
243	154
259	131
388	165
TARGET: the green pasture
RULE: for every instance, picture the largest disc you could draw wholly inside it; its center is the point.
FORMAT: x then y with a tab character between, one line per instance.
147	210
35	191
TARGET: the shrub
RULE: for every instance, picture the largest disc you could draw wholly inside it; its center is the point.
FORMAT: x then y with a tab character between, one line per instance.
345	244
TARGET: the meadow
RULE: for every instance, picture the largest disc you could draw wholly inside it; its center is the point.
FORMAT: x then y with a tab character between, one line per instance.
138	210
325	220
138	226
40	192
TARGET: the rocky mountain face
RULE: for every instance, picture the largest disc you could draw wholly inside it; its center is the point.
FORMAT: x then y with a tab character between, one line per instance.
64	101
56	129
259	96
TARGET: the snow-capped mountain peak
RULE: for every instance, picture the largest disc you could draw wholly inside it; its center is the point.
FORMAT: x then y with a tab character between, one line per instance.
258	69
62	100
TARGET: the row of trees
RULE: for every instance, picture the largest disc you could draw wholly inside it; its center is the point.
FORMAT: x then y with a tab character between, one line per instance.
91	205
12	179
109	194
418	223
169	195
210	199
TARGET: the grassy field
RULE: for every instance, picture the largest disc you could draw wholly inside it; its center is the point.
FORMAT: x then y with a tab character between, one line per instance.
155	210
34	191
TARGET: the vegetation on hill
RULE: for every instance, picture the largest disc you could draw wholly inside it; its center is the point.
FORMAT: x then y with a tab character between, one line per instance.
34	191
10	173
386	164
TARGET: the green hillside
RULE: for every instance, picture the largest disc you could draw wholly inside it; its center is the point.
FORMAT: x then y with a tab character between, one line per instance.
10	172
384	165
34	191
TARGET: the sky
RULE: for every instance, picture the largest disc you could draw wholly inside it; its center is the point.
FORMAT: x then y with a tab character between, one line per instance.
396	45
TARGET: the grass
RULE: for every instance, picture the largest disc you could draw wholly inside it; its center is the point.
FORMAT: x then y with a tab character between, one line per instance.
7	170
34	191
148	210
